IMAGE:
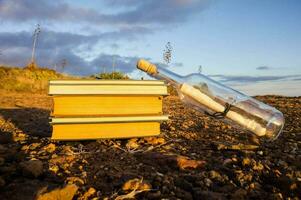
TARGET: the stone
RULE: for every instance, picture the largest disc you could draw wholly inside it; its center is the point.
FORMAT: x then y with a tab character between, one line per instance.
7	169
62	159
199	194
67	150
136	184
50	148
6	137
186	163
215	175
183	184
239	194
208	182
19	137
74	179
32	168
2	161
3	149
155	140
258	167
132	144
65	193
246	162
54	168
2	182
91	191
153	195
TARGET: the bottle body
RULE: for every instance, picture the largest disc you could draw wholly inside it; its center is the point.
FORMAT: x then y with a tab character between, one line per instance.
219	101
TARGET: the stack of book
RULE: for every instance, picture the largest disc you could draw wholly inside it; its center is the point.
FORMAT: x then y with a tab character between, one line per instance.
95	109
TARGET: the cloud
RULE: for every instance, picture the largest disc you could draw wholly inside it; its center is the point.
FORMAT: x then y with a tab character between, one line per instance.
252	79
116	20
53	47
263	68
137	12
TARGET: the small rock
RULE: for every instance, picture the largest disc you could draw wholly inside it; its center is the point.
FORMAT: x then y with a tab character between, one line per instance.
7	169
65	193
34	146
136	184
2	182
88	194
2	161
67	150
62	159
239	194
32	168
214	174
74	179
54	168
227	161
155	140
19	137
6	137
185	163
50	148
258	167
208	182
132	144
183	184
208	195
246	162
3	149
153	195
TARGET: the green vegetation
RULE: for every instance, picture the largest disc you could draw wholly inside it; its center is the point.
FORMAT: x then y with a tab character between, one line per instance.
27	80
112	75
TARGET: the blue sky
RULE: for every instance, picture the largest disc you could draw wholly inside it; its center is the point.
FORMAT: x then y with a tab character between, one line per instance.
253	46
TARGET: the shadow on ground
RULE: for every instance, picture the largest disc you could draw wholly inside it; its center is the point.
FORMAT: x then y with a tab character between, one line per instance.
31	121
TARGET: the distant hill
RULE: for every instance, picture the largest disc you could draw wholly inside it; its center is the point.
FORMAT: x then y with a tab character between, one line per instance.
28	80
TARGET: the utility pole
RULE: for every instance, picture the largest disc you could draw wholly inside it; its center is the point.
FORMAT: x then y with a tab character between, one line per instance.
36	33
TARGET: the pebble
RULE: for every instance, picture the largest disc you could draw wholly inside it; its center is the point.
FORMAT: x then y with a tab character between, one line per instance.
208	182
153	195
136	184
200	194
5	137
65	193
215	175
258	167
91	191
246	162
2	182
32	168
50	148
2	161
74	179
132	144
3	149
155	140
186	163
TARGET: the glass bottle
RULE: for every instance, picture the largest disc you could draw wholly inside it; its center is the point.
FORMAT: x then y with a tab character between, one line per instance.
219	101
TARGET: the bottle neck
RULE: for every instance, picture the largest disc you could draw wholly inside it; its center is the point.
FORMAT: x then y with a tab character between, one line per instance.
168	76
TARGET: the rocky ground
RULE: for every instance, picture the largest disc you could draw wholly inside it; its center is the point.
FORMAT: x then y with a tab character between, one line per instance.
196	157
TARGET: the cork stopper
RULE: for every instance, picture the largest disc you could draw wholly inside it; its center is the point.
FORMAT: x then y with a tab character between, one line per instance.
147	66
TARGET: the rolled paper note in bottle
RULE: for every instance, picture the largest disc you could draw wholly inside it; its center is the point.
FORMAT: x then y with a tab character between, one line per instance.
220	101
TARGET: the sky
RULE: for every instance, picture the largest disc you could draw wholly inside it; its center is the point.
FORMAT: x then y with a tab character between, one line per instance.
251	45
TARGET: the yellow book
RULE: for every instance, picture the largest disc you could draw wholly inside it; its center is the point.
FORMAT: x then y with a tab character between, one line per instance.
105	127
107	87
106	105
